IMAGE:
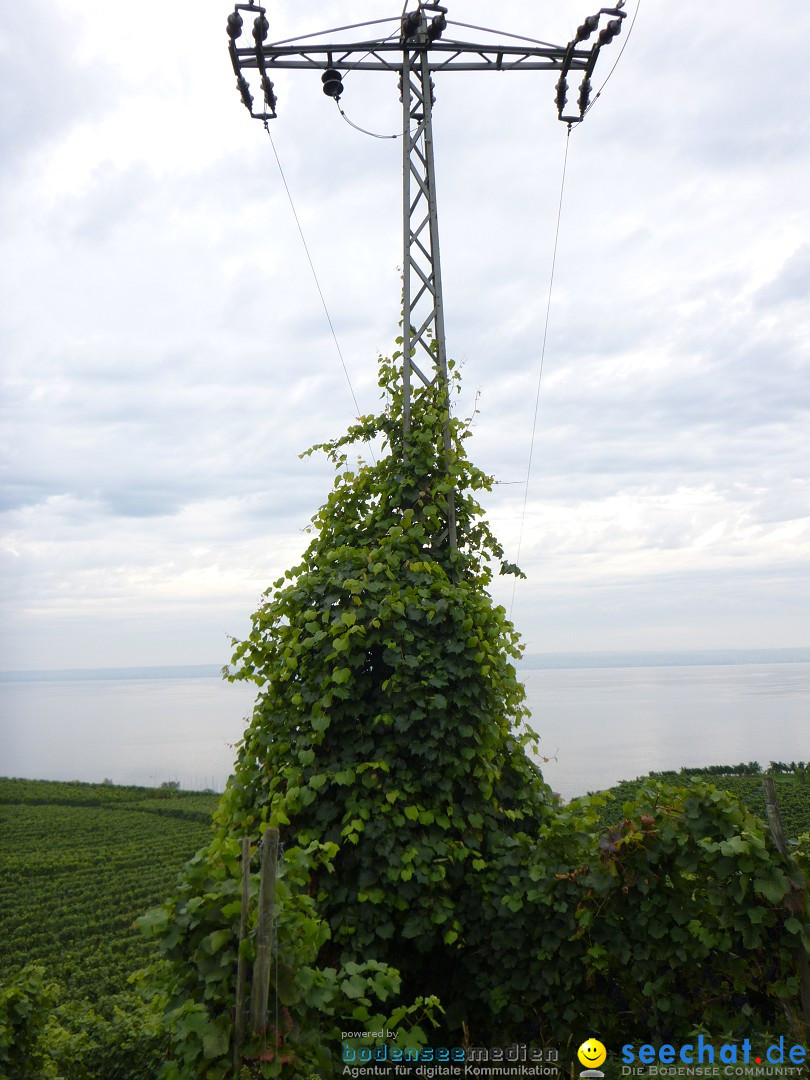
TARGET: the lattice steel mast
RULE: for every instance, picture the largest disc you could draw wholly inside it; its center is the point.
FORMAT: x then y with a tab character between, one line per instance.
419	50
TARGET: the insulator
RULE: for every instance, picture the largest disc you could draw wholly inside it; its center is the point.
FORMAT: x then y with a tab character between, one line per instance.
610	31
234	25
562	93
584	94
332	83
244	89
269	93
260	28
587	28
438	25
411	23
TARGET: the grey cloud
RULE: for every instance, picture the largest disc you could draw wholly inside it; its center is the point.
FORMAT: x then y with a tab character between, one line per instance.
43	89
136	501
20	493
113	198
792	283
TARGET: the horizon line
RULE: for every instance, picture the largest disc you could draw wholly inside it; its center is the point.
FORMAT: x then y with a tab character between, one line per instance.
564	658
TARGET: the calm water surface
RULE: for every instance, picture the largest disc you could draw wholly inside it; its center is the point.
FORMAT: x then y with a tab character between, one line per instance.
139	731
596	724
607	724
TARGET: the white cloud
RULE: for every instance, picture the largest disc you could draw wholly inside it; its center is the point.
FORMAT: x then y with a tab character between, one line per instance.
166	355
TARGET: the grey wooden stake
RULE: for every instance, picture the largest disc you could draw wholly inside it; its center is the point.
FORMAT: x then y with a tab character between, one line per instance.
260	990
241	965
796	901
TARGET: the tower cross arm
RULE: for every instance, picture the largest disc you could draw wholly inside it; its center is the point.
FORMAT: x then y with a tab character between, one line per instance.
387	56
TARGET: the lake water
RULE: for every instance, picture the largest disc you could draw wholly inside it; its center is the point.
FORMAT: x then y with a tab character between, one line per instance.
600	718
601	725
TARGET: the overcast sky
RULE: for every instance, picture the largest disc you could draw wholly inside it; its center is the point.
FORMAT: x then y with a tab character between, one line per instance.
166	357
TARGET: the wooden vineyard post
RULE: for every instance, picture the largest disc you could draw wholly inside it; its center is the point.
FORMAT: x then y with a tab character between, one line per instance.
260	989
241	965
796	900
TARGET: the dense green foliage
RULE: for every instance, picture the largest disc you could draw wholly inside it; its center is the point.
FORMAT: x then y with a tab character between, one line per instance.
47	1033
684	916
313	1004
389	713
793	796
751	768
388	745
799	769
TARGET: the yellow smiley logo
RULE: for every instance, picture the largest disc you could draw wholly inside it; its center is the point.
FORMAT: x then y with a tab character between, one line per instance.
592	1053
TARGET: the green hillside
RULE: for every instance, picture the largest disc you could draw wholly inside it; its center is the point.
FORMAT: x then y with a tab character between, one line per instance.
78	863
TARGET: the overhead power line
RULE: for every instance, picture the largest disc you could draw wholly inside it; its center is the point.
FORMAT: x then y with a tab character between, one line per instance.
365	131
542	361
548	305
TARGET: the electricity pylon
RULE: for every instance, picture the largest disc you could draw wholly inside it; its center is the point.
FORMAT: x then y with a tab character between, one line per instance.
415	52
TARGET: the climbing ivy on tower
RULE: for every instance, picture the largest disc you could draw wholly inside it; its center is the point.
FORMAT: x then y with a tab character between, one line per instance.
389	717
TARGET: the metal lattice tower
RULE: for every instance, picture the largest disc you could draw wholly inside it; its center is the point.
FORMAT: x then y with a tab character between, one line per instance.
414	55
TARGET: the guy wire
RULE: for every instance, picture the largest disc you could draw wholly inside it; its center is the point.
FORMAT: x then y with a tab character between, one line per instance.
542	358
337	30
314	272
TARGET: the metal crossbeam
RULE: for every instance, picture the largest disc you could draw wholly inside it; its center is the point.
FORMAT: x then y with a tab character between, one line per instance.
387	56
415	54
